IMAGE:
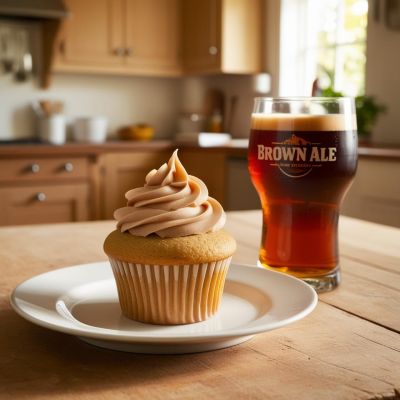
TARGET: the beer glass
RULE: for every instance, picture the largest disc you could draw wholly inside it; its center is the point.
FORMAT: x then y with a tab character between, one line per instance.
302	160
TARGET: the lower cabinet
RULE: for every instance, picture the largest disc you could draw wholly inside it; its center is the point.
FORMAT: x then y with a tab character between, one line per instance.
122	172
241	194
44	204
208	165
375	193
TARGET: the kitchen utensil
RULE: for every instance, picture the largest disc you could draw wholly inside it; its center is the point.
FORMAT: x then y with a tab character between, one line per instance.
46	106
231	113
57	107
50	107
37	109
6	50
90	129
24	61
83	301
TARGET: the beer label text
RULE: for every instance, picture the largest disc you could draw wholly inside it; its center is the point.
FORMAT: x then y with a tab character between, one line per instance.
295	156
313	154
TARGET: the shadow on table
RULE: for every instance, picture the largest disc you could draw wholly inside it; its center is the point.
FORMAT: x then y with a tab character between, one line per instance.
37	361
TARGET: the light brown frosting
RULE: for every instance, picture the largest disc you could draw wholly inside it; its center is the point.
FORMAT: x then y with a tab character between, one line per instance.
170	204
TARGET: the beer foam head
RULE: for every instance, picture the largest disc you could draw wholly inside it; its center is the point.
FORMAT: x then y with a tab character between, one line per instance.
303	122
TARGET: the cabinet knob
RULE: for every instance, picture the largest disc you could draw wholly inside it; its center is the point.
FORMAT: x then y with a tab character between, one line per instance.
40	197
34	168
119	51
68	167
128	51
213	50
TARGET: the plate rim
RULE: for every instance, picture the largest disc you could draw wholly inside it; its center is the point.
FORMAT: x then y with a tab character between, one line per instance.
181	337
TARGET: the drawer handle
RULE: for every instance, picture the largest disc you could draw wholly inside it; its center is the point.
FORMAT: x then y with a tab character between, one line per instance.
213	50
41	197
34	168
119	51
128	51
68	167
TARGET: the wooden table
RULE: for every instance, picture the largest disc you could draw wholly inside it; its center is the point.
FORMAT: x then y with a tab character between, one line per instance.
348	348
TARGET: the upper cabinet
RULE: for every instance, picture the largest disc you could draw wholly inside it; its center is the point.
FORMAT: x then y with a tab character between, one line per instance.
222	36
120	36
152	36
161	37
93	36
201	39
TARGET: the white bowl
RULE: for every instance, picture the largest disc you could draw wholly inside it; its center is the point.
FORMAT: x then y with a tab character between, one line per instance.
90	129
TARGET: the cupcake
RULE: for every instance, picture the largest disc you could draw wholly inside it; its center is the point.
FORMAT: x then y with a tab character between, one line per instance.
169	254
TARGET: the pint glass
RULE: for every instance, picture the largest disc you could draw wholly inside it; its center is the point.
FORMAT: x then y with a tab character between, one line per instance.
302	160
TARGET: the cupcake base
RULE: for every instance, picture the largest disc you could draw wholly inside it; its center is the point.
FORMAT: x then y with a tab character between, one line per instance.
170	294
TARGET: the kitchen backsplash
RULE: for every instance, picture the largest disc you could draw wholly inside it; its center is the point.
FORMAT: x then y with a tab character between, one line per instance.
123	100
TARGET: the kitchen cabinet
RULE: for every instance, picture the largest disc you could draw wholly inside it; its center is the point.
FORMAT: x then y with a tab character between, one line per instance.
121	37
241	194
93	36
44	203
76	182
201	27
210	167
161	37
122	172
45	189
222	36
375	193
152	36
35	169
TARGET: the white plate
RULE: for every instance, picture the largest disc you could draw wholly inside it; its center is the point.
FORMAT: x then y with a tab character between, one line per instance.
82	301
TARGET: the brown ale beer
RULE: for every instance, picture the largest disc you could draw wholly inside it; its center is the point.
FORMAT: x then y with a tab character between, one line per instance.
302	166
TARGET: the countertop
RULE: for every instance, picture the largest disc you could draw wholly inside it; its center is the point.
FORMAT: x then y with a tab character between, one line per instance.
347	348
237	147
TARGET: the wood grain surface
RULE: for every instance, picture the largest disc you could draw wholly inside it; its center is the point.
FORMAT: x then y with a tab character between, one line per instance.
348	348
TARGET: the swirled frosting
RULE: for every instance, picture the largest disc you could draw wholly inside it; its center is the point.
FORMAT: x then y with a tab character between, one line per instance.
170	204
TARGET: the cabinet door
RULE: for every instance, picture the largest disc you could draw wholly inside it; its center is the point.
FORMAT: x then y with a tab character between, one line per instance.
242	42
122	172
152	35
201	21
210	167
41	204
92	36
375	193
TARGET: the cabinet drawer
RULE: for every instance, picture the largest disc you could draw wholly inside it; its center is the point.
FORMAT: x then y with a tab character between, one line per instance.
35	169
44	204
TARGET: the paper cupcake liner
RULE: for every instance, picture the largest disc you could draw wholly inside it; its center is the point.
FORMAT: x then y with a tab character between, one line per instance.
170	294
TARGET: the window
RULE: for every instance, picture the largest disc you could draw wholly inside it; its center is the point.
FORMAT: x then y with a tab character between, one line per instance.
324	39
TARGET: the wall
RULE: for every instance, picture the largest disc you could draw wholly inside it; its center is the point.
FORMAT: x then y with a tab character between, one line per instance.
124	100
382	74
242	86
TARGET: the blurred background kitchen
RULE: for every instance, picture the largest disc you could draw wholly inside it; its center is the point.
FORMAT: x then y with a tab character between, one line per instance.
94	93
